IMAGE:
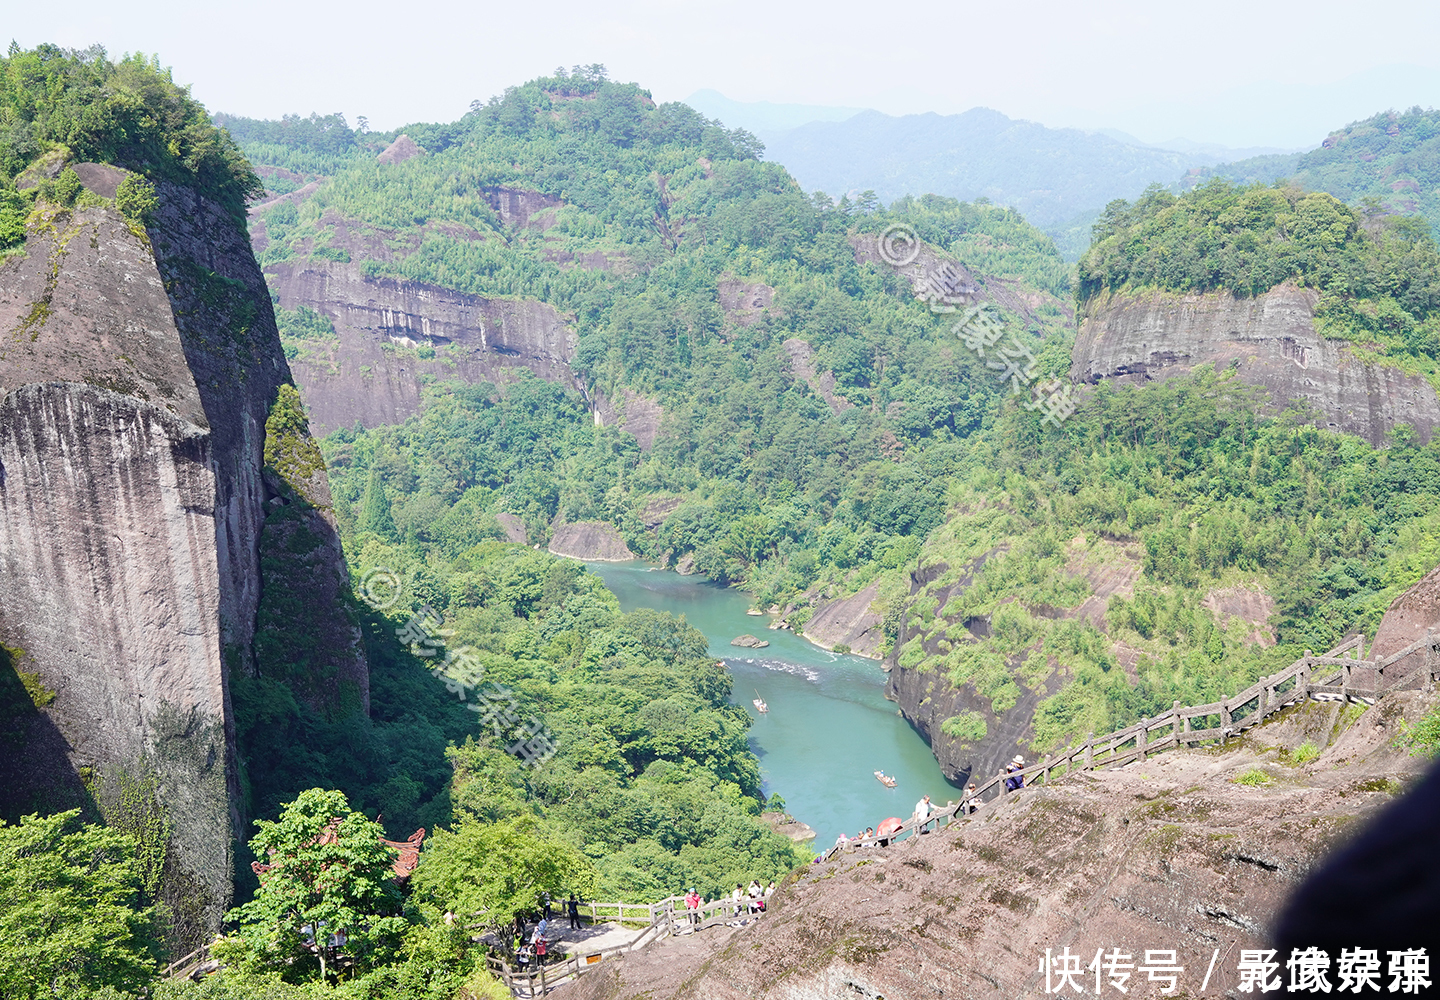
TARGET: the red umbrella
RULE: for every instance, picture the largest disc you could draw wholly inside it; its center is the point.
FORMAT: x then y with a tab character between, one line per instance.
888	826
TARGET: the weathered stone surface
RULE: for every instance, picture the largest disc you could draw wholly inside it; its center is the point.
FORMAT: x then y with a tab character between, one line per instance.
102	178
800	353
402	149
136	377
788	826
361	378
967	288
1407	620
522	207
744	301
632	412
593	541
848	622
749	642
513	527
1272	340
1249	605
1167	854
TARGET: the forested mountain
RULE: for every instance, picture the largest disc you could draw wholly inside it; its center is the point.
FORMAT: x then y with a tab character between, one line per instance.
573	306
888	444
1388	162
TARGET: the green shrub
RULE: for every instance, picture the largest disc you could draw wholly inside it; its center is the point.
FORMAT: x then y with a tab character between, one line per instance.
63	189
135	198
967	726
1304	753
1254	777
1422	739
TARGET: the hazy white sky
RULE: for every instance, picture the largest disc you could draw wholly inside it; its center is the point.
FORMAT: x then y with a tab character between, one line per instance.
1239	72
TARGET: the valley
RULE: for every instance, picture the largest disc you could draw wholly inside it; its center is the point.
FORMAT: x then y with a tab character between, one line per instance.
378	508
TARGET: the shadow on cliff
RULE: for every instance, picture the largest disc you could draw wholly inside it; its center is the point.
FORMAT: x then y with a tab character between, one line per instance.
36	775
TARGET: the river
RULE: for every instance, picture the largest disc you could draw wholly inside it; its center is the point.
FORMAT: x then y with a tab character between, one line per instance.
829	726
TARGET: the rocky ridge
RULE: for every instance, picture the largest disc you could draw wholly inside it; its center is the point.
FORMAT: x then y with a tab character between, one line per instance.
138	369
1171	853
1272	341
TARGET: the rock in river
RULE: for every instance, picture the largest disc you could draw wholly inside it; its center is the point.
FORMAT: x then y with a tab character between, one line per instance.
749	642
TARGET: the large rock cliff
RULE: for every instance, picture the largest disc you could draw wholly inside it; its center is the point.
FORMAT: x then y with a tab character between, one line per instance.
361	376
1272	340
138	370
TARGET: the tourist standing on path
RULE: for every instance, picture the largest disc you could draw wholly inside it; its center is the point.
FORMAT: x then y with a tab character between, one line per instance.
972	803
922	813
692	907
1015	780
572	906
735	898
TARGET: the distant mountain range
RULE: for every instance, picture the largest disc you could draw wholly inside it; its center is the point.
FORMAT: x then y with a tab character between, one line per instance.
1058	178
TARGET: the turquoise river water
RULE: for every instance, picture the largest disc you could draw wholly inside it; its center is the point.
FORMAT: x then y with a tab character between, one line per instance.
829	727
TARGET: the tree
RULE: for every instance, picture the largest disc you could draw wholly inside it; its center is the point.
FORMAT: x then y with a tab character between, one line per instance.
327	877
491	872
71	918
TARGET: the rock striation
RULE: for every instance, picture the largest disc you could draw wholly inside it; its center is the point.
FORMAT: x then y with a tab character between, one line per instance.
138	370
1272	341
362	377
848	621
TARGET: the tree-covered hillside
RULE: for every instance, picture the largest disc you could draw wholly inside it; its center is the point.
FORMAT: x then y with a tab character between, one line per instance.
1378	275
658	208
925	458
59	105
1389	162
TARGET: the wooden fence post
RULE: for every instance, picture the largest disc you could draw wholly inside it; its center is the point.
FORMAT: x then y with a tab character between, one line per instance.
1090	752
1345	679
1175	723
1224	719
1141	737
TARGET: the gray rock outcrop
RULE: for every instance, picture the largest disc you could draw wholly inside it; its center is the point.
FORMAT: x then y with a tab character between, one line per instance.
593	541
1272	340
749	642
848	621
137	373
361	377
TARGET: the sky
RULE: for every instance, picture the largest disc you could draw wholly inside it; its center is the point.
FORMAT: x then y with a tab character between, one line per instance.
1233	72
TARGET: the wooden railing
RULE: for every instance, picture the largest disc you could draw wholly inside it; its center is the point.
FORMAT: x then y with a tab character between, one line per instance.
1356	680
186	967
668	917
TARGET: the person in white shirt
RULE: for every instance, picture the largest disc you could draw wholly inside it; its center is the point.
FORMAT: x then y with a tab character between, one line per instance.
922	809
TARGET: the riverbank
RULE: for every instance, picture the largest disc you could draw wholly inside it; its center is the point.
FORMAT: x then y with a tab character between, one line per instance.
828	728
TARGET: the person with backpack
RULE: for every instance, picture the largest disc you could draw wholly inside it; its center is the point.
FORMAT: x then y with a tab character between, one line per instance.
1015	780
572	907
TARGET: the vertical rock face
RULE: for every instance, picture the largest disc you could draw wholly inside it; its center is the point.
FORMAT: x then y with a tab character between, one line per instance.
137	373
1273	341
361	377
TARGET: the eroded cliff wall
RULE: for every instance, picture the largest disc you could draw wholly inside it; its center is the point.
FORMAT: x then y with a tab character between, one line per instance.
1272	340
359	376
138	369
